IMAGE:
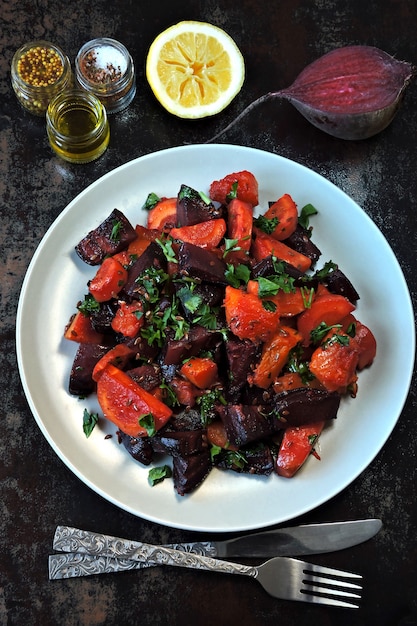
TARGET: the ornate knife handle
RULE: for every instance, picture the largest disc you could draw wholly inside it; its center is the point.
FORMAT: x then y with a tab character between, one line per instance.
68	539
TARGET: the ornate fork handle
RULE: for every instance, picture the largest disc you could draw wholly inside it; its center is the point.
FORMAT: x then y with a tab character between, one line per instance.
68	539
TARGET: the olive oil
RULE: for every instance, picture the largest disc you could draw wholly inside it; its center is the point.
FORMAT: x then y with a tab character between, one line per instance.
77	126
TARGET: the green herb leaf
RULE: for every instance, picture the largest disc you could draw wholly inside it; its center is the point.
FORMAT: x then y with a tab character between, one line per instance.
167	249
306	212
230	245
318	333
207	402
214	451
204	197
89	422
89	305
158	474
343	340
327	268
115	233
237	275
151	201
147	421
307	294
232	193
312	439
267	225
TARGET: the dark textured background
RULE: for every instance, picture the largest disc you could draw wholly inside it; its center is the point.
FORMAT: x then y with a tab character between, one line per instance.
277	40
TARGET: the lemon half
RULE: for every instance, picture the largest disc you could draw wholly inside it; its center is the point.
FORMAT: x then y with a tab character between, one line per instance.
194	69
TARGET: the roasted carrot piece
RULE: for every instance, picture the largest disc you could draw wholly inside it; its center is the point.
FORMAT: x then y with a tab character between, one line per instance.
200	371
108	281
163	215
328	308
217	436
126	404
296	446
365	343
289	303
80	329
206	234
239	223
274	356
247	188
247	316
285	210
144	237
334	363
265	245
287	381
128	319
118	356
185	392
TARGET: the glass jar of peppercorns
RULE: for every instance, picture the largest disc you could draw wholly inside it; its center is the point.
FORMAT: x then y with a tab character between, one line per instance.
39	71
105	68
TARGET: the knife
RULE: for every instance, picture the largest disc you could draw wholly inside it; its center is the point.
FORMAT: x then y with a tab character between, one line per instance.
95	553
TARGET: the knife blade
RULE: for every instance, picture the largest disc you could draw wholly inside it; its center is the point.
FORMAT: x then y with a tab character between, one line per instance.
89	552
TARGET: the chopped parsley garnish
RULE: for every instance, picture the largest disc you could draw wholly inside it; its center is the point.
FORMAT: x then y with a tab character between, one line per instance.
327	268
89	422
267	225
158	474
232	193
343	340
307	294
306	212
204	197
319	333
231	245
147	421
116	230
167	249
151	201
297	365
89	305
207	403
237	275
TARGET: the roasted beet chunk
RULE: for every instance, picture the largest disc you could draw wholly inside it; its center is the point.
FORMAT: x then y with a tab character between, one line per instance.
147	376
190	471
182	443
192	207
301	242
154	257
303	406
241	355
255	459
245	424
197	339
80	380
337	282
140	448
200	263
111	236
101	318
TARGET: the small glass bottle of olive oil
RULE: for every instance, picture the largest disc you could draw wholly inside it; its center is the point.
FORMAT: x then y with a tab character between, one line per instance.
77	126
39	71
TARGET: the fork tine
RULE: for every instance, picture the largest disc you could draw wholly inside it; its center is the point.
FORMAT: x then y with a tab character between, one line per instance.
326	585
316	599
329	571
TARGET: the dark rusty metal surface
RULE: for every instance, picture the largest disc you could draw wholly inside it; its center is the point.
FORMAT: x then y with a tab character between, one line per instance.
37	491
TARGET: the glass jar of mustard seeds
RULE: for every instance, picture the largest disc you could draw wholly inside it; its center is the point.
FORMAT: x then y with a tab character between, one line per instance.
39	71
105	68
77	126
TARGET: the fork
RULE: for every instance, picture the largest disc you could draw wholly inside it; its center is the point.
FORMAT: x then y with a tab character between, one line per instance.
281	577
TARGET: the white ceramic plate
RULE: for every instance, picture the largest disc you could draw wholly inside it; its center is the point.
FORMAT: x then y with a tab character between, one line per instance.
56	280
